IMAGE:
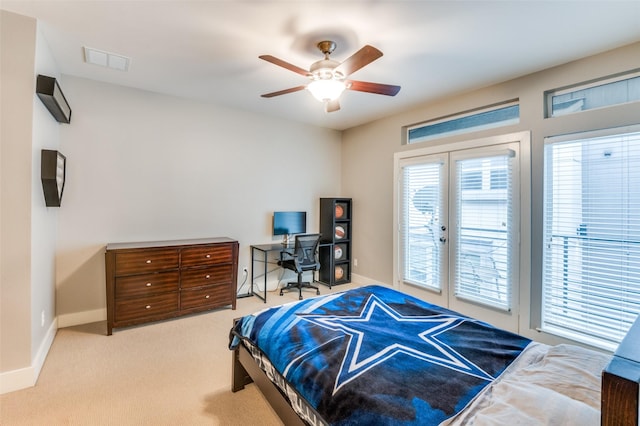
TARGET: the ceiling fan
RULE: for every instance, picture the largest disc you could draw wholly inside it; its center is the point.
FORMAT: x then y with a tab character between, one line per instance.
329	77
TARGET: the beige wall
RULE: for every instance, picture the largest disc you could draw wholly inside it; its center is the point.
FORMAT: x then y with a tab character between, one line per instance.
44	220
28	234
18	38
144	166
368	151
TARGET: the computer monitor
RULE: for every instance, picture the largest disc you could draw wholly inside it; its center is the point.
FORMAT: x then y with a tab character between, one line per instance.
289	223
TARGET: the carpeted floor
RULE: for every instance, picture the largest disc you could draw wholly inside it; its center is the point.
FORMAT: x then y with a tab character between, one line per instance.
174	372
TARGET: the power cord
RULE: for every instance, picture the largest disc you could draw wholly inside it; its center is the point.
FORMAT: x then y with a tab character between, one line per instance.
245	273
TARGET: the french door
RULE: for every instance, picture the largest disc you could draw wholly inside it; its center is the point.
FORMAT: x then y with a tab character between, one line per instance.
458	228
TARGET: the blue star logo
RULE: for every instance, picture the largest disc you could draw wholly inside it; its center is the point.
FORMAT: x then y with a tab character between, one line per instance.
379	333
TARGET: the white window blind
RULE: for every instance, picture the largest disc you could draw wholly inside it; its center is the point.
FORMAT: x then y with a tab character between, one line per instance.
419	237
591	258
484	211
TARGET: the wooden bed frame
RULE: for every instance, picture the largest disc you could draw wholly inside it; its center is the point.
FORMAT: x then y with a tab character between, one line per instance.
619	396
620	381
245	370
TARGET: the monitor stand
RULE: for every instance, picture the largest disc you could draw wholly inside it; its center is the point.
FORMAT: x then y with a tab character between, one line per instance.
286	239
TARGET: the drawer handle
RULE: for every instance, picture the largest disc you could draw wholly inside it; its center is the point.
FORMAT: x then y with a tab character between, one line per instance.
207	296
148	307
148	261
208	256
148	284
207	276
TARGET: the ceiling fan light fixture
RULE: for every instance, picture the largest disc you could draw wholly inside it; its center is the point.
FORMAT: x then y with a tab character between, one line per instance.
326	90
329	78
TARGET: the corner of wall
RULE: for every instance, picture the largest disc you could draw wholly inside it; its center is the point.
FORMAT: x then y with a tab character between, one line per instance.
84	317
27	377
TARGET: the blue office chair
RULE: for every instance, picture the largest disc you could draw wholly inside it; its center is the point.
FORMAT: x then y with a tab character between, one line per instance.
304	258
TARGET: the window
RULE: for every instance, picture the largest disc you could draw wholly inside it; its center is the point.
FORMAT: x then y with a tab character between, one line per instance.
421	212
603	93
487	118
591	253
484	233
470	192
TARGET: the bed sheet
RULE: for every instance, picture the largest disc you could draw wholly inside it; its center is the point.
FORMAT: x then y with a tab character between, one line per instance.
547	385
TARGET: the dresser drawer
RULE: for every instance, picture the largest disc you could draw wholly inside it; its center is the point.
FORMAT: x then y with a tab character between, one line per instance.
146	260
217	295
146	285
206	255
143	307
198	277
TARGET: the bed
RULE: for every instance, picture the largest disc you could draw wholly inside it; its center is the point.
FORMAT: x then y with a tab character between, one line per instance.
374	355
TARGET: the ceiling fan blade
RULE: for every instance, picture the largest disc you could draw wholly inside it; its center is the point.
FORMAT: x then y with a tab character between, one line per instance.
362	57
284	64
283	92
331	106
377	88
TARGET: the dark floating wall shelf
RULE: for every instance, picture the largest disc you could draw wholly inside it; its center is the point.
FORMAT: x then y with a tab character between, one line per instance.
51	95
52	173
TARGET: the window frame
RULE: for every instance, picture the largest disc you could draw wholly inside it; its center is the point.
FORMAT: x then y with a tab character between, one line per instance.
538	311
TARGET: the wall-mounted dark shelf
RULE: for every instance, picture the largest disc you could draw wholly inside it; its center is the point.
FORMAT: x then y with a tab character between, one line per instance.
49	92
53	166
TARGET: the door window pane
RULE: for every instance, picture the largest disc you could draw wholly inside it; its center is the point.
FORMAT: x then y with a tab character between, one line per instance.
419	235
483	218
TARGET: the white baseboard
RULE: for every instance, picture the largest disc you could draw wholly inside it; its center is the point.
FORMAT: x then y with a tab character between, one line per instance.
11	381
85	317
14	380
44	348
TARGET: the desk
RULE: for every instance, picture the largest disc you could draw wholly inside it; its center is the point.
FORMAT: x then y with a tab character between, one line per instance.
260	254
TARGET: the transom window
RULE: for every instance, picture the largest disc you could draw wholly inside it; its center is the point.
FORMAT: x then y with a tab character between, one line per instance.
602	93
485	118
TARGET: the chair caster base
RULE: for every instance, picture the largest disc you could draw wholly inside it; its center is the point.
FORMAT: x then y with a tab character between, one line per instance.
299	287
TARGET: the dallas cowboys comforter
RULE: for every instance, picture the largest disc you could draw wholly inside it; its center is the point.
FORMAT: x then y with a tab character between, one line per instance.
375	356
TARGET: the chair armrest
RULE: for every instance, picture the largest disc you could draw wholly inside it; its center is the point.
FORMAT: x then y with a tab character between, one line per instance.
288	257
285	255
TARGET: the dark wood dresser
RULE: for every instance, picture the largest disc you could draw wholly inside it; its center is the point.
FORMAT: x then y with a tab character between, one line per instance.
156	280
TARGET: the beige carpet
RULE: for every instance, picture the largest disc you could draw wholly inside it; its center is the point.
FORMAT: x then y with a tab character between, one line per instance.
174	372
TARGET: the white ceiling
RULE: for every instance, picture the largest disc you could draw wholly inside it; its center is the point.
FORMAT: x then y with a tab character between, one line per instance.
208	50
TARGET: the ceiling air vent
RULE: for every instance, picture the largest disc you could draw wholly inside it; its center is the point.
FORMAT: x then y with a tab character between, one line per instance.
106	59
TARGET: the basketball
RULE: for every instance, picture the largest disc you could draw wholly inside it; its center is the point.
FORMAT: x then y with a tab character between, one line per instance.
339	232
339	272
339	211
